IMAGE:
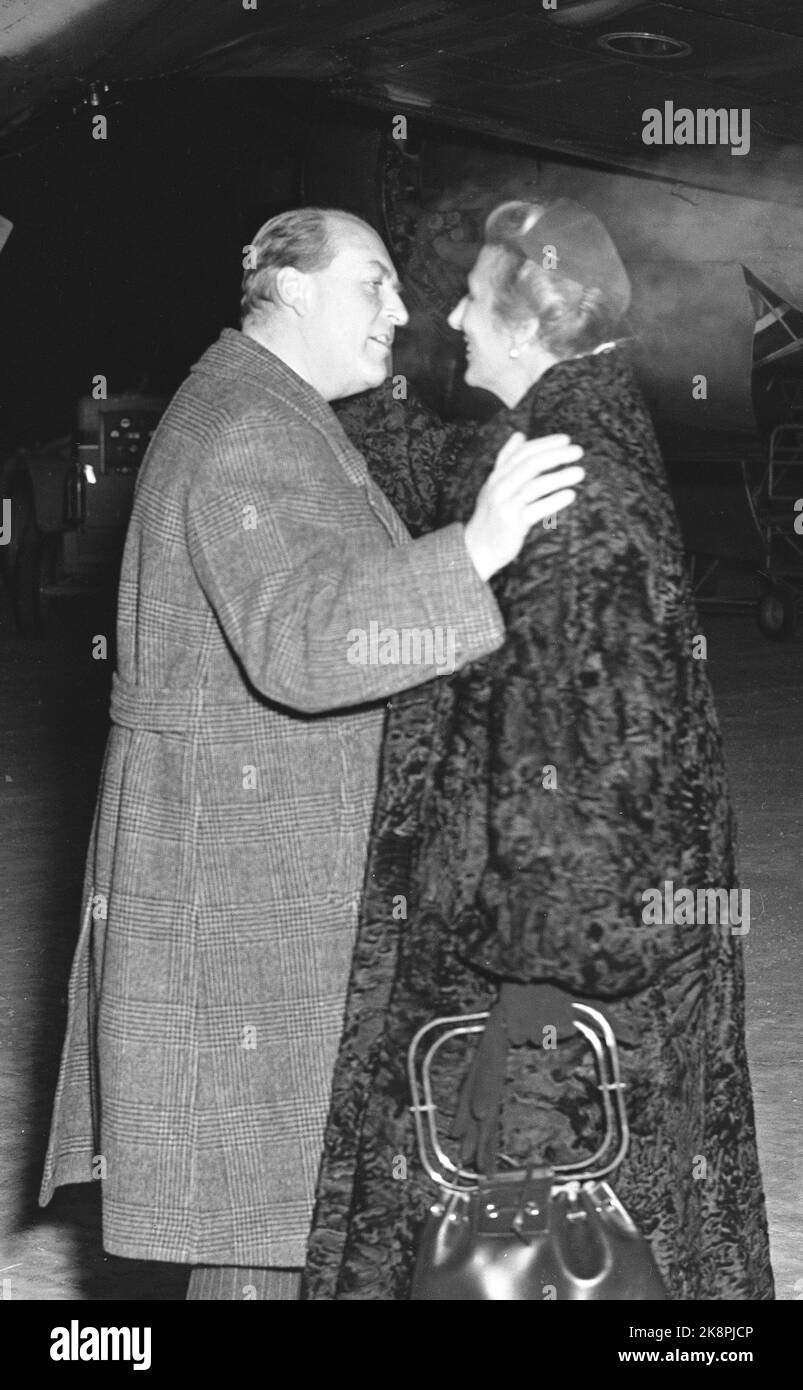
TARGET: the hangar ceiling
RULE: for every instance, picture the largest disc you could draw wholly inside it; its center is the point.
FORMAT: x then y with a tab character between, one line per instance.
518	70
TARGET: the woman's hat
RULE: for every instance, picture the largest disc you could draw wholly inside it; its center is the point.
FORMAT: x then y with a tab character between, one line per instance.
584	251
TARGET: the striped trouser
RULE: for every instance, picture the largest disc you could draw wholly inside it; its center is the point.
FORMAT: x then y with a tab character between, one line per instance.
240	1282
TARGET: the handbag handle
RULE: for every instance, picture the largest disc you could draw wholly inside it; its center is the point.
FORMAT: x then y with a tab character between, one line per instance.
598	1033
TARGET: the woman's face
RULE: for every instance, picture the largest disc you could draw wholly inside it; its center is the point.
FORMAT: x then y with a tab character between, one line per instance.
488	341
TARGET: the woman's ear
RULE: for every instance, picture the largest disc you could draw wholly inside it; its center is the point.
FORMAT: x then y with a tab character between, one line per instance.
523	336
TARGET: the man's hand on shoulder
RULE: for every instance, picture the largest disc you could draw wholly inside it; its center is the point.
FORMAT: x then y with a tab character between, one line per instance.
531	479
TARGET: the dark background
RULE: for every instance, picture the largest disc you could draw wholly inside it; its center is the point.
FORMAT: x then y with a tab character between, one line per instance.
126	253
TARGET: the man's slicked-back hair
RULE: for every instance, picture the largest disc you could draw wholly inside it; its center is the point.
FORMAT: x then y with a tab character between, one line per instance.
305	238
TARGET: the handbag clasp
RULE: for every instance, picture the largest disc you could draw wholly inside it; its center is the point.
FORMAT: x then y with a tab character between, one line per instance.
442	1170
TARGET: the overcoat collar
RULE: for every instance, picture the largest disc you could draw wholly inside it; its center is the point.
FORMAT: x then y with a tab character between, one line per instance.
236	355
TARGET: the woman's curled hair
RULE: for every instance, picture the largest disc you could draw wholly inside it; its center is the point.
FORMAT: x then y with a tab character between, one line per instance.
573	317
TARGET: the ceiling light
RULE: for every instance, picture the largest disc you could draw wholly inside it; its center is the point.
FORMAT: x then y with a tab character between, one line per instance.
402	96
631	44
577	14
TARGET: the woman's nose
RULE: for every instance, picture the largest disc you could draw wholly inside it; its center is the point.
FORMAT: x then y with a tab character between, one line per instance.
455	319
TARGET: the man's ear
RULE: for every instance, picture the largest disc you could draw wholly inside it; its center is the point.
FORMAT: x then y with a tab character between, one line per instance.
293	289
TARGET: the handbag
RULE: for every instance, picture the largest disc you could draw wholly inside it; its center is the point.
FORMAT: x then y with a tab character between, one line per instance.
538	1232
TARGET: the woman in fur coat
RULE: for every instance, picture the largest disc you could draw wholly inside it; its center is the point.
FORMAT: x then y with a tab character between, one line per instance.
541	818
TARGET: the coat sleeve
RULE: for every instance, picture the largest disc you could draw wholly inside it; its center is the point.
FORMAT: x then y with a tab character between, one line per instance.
606	778
321	608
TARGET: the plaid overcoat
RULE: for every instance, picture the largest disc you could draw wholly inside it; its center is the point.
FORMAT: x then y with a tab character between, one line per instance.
230	836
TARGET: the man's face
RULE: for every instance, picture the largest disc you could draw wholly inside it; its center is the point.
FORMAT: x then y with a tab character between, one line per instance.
353	311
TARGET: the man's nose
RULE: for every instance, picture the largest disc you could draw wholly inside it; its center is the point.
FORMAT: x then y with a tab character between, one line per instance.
455	319
395	310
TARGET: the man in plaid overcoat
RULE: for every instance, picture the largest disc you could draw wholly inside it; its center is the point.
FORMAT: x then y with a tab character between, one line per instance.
230	834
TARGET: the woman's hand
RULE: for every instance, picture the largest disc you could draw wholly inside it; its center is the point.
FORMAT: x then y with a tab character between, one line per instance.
521	490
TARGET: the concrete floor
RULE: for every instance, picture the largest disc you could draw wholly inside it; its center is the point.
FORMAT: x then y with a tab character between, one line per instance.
53	720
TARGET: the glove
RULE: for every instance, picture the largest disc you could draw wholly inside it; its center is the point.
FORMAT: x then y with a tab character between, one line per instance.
520	1015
